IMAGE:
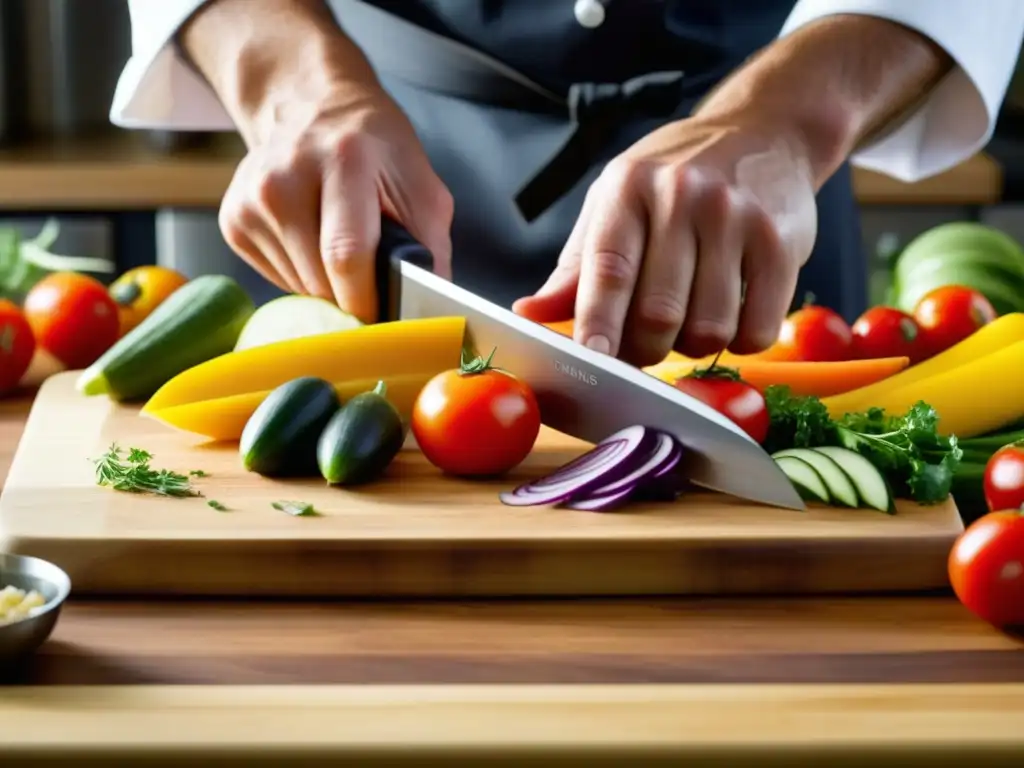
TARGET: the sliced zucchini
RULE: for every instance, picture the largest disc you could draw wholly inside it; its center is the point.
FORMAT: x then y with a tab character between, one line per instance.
839	485
871	486
804	478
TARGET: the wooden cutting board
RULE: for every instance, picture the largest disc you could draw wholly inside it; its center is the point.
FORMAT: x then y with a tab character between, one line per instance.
417	533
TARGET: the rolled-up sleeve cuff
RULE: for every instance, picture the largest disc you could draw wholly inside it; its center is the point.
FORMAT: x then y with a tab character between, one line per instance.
983	37
158	89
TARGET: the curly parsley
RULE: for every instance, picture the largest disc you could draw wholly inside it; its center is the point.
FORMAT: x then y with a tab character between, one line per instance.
908	450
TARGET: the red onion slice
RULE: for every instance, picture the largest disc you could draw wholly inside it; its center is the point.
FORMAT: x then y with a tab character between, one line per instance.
602	503
665	457
609	460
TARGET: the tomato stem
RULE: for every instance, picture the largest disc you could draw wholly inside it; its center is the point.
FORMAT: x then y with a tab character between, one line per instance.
810	299
477	365
715	371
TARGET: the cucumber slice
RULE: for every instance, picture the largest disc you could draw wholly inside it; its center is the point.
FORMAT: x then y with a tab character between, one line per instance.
293	317
871	486
839	485
804	478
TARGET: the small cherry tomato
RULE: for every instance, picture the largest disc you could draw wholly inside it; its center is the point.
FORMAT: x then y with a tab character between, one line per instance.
1004	478
17	345
476	420
73	317
950	314
986	568
723	390
887	332
815	334
141	290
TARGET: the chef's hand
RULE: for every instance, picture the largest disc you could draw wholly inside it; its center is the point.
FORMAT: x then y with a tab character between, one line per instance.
304	207
670	232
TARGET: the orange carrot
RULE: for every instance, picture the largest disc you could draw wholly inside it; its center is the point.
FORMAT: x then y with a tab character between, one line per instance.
818	379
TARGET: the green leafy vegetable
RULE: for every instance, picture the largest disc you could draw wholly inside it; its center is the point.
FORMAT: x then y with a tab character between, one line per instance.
23	263
917	461
133	474
216	505
295	508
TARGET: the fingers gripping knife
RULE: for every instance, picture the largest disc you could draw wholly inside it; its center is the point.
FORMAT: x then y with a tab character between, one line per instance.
583	393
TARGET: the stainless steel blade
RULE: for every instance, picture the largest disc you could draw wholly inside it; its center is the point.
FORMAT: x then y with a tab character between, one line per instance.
589	395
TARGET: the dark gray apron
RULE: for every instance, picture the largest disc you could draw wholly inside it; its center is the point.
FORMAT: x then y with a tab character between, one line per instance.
519	108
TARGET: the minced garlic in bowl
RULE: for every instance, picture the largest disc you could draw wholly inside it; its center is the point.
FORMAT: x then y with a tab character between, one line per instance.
16	604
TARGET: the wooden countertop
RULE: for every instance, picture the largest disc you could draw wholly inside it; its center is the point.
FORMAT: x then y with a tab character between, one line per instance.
914	680
122	172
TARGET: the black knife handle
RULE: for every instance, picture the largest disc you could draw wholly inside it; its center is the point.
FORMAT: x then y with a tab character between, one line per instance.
396	245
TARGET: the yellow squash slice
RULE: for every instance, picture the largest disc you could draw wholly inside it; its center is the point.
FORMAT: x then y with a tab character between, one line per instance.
216	398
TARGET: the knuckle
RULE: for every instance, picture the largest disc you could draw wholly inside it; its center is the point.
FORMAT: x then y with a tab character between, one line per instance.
660	313
270	190
715	199
351	151
626	173
343	255
612	270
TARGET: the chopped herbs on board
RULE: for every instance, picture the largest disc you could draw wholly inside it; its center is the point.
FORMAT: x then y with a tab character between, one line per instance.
133	474
908	450
295	508
216	505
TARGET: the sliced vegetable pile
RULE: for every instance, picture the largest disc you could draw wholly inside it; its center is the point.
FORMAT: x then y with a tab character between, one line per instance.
636	461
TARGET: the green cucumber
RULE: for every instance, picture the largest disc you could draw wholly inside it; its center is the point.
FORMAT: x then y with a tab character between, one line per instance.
280	438
805	478
872	488
198	322
838	484
361	440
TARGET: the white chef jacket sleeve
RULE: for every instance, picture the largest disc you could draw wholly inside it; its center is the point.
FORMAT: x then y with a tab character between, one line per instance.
983	37
158	89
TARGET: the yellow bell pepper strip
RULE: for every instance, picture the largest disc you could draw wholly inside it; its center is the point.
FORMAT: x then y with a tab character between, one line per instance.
216	398
997	335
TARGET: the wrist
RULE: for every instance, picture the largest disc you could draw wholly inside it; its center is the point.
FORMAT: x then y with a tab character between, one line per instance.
835	83
250	56
822	130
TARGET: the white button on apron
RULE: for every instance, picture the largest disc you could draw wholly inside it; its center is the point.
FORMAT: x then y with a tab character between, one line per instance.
589	13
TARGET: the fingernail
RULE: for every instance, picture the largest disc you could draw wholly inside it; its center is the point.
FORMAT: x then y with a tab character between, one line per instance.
599	344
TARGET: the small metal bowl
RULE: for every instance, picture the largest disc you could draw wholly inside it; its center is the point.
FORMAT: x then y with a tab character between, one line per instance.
21	637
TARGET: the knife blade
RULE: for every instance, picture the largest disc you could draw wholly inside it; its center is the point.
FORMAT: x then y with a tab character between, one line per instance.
588	395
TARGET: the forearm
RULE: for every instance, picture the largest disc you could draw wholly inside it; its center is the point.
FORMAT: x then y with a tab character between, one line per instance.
834	84
263	57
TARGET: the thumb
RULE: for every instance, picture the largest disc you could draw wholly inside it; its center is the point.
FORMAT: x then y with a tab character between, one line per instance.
555	300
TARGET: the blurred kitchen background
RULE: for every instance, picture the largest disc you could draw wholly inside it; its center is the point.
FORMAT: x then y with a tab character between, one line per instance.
137	197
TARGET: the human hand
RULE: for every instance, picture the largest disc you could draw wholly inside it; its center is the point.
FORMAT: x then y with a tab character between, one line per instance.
304	207
691	240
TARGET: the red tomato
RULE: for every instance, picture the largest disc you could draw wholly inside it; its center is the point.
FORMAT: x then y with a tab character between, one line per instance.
73	317
731	396
1004	478
17	345
815	334
950	314
887	332
986	568
475	420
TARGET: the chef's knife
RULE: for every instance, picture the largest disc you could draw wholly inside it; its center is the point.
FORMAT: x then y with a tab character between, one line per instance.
588	395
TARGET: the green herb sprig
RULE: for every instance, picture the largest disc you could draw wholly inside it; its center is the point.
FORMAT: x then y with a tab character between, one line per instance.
134	474
917	461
